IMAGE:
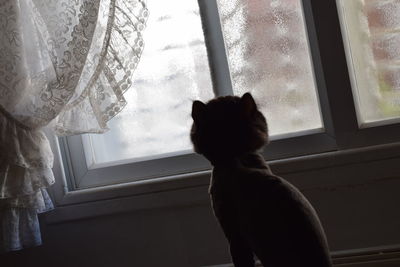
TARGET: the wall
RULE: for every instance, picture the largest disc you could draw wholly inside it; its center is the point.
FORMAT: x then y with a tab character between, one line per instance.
357	196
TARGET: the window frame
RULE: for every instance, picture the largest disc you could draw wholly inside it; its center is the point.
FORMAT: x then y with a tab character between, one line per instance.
352	74
337	75
80	175
333	84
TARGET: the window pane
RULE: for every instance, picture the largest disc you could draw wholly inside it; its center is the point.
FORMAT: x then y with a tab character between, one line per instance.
268	54
172	72
372	36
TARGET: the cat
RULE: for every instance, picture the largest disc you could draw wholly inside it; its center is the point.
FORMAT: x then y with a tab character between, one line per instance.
260	213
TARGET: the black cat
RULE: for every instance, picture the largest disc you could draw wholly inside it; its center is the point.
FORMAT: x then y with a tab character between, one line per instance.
260	213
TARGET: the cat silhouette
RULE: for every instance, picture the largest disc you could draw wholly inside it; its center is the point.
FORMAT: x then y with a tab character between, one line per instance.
260	213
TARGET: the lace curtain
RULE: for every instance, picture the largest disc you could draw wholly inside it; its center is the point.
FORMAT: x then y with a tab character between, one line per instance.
64	64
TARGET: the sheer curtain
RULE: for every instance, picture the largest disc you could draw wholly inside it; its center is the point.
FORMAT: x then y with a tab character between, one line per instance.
64	64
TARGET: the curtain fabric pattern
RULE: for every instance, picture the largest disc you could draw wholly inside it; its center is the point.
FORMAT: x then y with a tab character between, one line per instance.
64	64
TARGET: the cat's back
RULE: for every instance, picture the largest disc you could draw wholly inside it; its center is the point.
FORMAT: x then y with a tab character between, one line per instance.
243	190
276	217
261	193
271	214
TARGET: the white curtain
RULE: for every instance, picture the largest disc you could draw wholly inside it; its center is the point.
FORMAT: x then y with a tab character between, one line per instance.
64	64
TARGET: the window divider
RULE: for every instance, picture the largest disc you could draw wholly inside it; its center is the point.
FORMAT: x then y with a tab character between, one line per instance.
318	73
335	71
217	57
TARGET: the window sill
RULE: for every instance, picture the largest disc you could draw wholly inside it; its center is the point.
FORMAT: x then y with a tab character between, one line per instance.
178	190
191	189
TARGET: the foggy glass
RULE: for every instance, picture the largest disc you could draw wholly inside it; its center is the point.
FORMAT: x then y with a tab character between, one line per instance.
268	55
372	36
173	71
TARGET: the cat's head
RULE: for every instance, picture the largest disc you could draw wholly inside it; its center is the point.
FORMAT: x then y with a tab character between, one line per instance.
228	127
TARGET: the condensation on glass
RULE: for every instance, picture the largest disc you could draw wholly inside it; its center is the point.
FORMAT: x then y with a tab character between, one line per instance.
173	72
268	54
372	38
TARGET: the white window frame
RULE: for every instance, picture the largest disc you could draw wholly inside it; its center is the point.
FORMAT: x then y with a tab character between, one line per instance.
341	130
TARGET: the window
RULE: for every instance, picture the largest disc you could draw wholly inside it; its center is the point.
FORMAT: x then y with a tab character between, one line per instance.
289	53
268	54
150	137
372	37
173	71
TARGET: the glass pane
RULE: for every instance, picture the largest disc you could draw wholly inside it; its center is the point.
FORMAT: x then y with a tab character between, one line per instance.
268	54
172	72
372	36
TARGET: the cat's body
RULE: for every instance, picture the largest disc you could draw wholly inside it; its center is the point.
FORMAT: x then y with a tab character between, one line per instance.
263	214
260	213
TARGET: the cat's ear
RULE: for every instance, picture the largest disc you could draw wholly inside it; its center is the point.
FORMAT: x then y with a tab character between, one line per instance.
248	105
198	111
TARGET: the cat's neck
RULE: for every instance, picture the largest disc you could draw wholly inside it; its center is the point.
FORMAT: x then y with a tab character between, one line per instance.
249	160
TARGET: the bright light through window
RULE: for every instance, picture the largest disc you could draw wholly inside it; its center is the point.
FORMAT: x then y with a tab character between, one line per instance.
172	72
372	36
268	54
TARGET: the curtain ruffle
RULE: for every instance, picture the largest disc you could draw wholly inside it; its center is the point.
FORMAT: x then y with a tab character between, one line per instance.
17	181
64	63
20	226
21	146
25	172
116	58
39	201
26	159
